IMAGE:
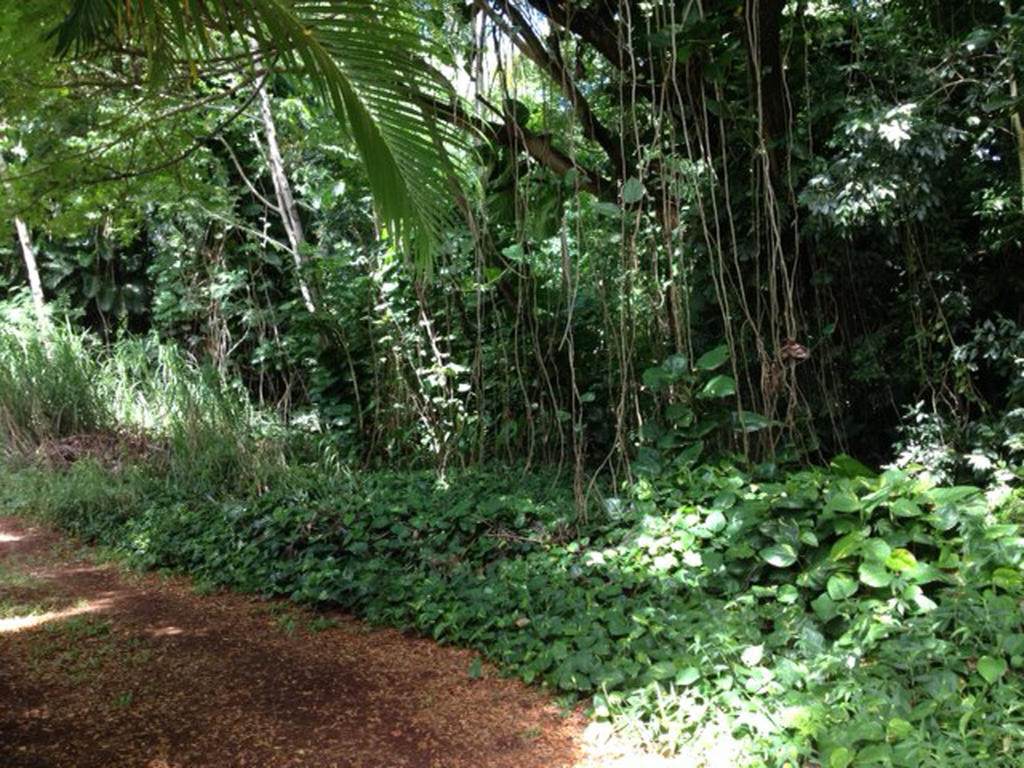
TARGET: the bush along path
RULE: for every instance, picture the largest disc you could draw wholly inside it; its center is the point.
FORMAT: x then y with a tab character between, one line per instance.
103	667
720	617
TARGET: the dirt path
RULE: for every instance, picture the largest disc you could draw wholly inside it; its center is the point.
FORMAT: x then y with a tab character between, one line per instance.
99	667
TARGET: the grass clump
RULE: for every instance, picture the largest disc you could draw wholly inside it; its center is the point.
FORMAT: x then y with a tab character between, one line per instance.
65	397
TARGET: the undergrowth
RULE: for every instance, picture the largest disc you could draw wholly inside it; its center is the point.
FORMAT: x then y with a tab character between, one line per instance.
62	393
828	617
824	615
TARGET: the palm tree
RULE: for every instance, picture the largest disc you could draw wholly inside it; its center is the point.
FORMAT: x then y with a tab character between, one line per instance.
369	59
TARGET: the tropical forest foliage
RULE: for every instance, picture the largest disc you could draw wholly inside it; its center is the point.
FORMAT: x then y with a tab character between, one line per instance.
550	328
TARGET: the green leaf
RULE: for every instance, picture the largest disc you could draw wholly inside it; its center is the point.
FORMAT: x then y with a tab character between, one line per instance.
840	758
751	422
951	495
875	753
824	607
369	60
788	594
687	676
1006	578
633	191
719	386
991	668
843	501
840	586
847	466
715	521
898	729
713	359
904	508
874	574
901	560
923	573
656	378
780	555
611	210
846	545
875	549
662	670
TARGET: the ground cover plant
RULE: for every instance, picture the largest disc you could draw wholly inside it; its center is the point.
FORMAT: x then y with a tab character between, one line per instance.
832	614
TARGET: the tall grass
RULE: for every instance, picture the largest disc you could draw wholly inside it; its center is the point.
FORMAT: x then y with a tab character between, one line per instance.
199	426
47	385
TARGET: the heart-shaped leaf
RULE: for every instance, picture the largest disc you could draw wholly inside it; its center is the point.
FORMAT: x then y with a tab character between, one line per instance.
991	668
780	555
840	586
874	574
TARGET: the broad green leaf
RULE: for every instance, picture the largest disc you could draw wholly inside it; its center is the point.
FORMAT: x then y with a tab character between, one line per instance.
751	422
824	607
840	758
779	555
898	729
904	508
719	386
923	573
715	521
864	729
875	549
874	754
901	560
846	545
663	670
843	501
847	466
607	209
656	378
874	574
991	668
687	676
633	191
840	586
713	359
752	655
1006	578
951	495
788	594
676	365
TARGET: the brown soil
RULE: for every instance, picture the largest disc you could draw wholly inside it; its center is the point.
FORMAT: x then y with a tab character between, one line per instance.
103	667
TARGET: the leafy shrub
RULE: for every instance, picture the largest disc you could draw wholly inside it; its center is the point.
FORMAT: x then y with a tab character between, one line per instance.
825	615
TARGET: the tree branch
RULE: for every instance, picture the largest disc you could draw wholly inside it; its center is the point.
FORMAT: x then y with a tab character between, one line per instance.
518	29
514	136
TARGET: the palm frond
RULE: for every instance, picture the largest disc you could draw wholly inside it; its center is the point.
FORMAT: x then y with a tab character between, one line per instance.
369	59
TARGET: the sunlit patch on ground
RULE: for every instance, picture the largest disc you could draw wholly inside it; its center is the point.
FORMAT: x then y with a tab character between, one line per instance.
166	631
28	621
6	538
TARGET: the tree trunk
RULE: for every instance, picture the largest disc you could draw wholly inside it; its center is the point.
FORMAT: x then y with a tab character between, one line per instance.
32	267
1016	119
287	209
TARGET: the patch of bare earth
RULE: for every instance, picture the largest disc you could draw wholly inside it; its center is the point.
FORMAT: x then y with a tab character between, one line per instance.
106	668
